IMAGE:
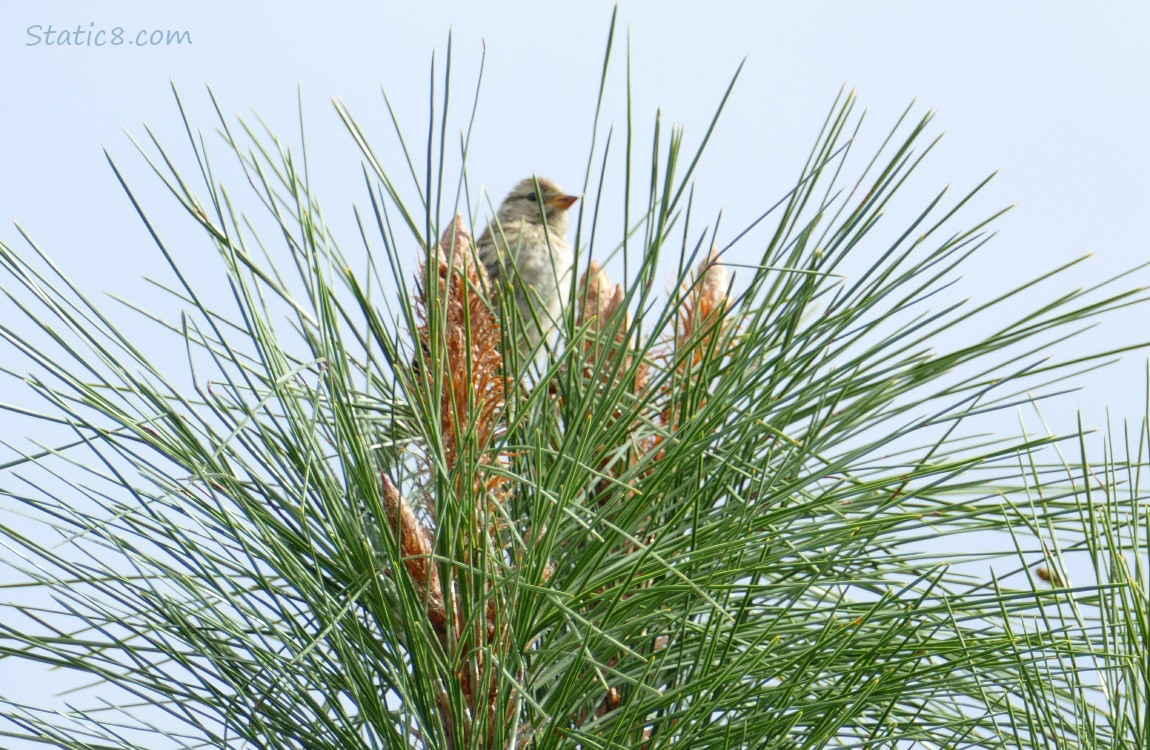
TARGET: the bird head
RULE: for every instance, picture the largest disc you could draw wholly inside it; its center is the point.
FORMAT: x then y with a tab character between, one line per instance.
525	199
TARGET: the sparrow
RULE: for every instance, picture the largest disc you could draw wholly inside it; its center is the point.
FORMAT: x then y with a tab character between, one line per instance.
525	251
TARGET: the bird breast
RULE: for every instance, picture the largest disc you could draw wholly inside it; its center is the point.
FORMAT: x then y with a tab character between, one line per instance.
542	258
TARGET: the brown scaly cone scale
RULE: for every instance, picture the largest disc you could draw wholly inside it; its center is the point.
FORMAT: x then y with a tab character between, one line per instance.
601	304
474	388
415	545
600	299
700	321
465	392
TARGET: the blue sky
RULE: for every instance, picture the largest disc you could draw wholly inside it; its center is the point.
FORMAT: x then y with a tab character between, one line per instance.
1053	95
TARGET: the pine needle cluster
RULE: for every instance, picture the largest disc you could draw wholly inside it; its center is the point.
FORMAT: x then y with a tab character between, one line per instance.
755	508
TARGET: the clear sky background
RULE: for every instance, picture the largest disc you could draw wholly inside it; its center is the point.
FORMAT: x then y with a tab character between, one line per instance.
1052	94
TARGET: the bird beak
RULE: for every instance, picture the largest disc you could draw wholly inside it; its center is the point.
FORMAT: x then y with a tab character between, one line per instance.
564	202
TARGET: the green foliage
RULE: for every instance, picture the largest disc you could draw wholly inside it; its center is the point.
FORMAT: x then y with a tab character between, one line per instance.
752	526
